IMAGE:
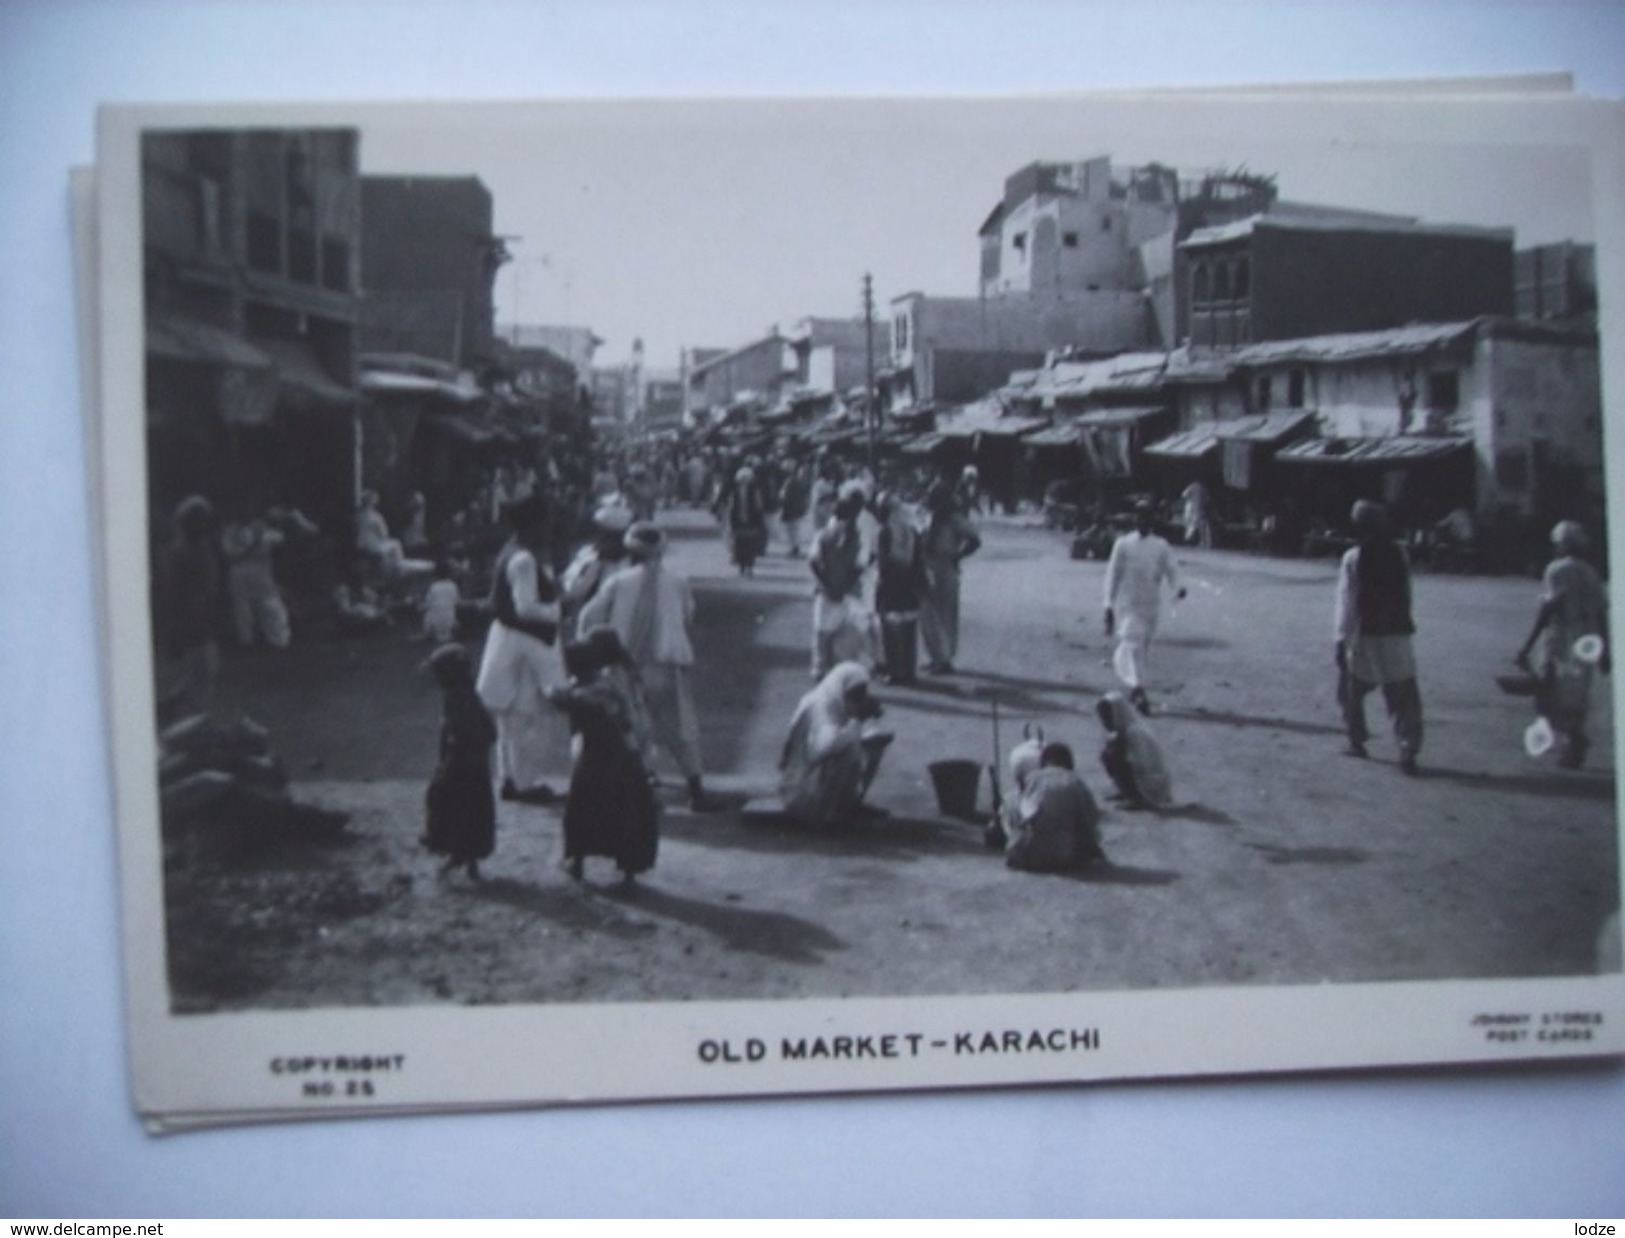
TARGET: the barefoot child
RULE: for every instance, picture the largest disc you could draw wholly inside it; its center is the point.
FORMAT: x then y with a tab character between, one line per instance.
460	803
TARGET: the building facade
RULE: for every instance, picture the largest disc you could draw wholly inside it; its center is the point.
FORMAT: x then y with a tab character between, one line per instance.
757	372
251	256
1518	402
429	260
952	350
1288	276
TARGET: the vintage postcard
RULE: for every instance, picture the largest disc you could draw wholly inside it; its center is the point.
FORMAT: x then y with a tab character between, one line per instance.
691	598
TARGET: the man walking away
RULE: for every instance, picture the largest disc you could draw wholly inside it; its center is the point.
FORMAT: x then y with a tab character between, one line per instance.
1374	629
651	609
1141	562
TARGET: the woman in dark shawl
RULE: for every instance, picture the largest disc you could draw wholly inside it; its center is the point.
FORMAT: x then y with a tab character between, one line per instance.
461	807
611	809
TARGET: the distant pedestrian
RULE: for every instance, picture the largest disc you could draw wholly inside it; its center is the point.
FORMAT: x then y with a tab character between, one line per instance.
651	608
1141	563
949	539
1196	515
1131	756
1056	825
1571	634
900	577
747	522
840	623
611	810
795	499
1374	629
257	609
461	811
522	658
969	490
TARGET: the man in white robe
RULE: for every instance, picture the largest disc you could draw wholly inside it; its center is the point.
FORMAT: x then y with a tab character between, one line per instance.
651	608
1141	563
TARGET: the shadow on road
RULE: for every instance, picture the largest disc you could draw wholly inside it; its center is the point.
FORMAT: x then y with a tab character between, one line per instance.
1200	813
1122	875
771	933
561	904
894	838
1576	786
1250	720
1310	855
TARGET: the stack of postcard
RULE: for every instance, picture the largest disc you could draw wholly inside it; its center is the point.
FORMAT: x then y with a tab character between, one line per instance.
617	600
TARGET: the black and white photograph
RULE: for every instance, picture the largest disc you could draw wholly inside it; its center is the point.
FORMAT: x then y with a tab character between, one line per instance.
829	595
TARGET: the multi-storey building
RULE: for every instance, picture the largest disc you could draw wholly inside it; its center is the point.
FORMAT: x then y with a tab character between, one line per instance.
1288	275
252	258
429	258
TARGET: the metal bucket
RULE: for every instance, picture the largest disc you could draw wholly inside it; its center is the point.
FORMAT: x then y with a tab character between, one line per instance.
956	784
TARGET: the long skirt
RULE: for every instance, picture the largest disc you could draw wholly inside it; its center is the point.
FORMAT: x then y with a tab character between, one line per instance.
461	813
611	810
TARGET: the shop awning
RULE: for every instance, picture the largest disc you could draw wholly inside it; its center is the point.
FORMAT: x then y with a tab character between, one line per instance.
185	339
1069	435
924	445
1265	428
1193	444
1129	416
462	390
995	427
298	370
1390	452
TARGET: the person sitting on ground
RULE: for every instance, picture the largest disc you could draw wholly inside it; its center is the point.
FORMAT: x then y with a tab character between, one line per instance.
1057	822
460	807
833	750
356	608
1132	756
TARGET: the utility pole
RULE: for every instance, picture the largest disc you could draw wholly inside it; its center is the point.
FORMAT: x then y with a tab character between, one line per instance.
870	411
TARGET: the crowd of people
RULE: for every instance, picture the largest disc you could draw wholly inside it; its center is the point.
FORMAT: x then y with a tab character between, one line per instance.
588	640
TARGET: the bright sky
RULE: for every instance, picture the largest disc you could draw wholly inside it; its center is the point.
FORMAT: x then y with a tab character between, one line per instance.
706	224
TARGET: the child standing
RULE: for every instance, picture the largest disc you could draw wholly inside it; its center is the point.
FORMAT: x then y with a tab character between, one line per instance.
611	809
461	806
440	605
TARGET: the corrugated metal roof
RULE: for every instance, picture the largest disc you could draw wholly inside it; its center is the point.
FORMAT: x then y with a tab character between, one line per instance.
998	427
924	445
1187	444
1356	345
1068	435
1263	428
1120	416
1398	449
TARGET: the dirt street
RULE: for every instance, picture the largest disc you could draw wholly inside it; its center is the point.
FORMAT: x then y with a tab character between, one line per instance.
1285	862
